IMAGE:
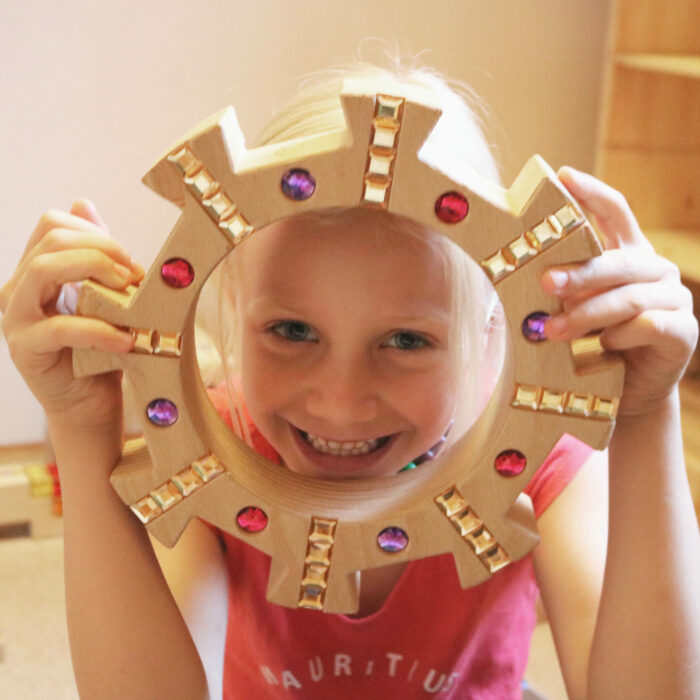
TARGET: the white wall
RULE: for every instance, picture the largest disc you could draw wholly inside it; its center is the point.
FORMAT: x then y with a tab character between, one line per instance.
92	92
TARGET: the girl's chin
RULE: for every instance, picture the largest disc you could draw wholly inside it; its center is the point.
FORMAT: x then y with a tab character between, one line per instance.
304	459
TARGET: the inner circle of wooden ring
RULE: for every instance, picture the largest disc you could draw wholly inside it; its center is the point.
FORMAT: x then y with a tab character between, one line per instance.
358	499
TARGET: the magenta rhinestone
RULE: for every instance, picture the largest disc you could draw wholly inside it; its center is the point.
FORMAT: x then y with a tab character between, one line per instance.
451	207
510	462
298	184
392	539
162	412
177	272
252	519
533	326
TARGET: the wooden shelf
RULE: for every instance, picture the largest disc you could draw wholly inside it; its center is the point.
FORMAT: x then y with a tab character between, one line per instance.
671	64
681	247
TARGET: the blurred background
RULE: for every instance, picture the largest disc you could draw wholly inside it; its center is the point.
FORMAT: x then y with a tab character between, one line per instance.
94	92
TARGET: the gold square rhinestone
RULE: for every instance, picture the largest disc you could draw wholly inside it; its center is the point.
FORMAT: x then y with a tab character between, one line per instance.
495	559
552	401
543	235
389	107
380	161
236	226
568	217
322	530
521	250
315	575
168	344
186	161
451	502
311	597
385	132
376	190
143	340
497	266
208	467
318	553
466	522
146	509
201	184
166	496
527	396
218	206
187	481
481	540
605	408
579	404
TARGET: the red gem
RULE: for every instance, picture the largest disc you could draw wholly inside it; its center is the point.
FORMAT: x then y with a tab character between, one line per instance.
451	207
510	462
252	519
177	273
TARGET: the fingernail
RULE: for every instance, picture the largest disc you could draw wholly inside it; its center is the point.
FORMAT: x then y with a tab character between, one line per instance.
138	269
559	278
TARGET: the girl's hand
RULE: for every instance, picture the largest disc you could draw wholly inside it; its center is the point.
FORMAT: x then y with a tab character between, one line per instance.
66	248
630	293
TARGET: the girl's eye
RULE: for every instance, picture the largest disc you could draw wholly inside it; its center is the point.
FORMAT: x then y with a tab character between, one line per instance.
295	331
406	340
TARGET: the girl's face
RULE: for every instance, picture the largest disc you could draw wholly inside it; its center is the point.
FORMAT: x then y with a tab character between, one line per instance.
344	327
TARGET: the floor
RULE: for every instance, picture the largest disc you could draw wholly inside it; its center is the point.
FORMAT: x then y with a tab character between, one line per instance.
34	657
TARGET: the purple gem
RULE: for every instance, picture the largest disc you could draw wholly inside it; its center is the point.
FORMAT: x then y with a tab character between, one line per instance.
392	539
298	184
533	326
162	412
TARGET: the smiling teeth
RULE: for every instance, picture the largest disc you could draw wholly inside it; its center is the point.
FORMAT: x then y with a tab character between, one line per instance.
341	449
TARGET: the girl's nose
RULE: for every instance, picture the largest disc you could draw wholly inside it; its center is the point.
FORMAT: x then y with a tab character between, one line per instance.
343	393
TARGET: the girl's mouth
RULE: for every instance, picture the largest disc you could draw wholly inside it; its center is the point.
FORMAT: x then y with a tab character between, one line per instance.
339	459
350	448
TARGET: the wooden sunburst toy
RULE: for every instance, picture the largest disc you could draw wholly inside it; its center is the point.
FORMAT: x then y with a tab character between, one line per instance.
322	534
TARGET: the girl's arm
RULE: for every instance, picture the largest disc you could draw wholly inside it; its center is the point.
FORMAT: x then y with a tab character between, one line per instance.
646	641
128	639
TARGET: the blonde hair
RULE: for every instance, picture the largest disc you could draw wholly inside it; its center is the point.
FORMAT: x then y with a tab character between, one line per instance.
456	145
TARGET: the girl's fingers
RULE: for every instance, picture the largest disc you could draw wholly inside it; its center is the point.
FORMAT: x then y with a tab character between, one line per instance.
607	206
55	218
69	239
617	306
85	209
677	329
45	274
58	332
614	268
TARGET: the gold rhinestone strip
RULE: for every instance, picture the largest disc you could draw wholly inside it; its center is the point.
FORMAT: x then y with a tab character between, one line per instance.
573	403
317	563
531	243
472	530
177	488
148	342
383	145
210	195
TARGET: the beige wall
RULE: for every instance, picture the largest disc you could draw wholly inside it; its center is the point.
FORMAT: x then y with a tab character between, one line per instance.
93	92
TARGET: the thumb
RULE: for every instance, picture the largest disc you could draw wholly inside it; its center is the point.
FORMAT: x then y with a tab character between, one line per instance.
85	209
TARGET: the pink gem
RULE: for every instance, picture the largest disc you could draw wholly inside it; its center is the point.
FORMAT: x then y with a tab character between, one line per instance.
252	519
392	539
451	207
162	412
533	326
177	273
510	462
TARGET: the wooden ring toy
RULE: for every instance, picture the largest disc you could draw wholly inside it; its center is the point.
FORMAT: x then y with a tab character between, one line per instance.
321	534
